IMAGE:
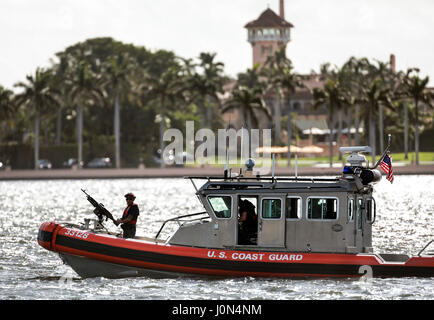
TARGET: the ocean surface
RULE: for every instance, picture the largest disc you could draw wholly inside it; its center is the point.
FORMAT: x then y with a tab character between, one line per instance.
405	223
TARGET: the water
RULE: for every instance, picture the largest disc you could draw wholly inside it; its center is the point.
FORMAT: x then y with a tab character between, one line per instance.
405	219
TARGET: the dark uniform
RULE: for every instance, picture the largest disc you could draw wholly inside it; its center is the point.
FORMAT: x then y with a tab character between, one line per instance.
130	213
249	227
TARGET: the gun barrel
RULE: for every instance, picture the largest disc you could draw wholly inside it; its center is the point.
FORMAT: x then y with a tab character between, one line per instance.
101	210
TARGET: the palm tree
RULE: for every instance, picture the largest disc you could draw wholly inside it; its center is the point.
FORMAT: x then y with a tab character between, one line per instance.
38	96
373	87
396	84
278	60
166	88
338	97
374	95
357	71
416	89
6	106
198	88
272	70
208	83
349	88
118	69
251	78
346	77
383	71
62	85
345	85
289	82
248	100
332	96
86	88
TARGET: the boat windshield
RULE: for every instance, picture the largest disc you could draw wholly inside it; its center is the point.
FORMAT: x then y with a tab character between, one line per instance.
221	205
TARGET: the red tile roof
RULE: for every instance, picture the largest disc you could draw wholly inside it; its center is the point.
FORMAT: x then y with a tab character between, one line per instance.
268	18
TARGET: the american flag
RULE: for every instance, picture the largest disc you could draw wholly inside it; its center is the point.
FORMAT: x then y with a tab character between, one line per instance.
386	165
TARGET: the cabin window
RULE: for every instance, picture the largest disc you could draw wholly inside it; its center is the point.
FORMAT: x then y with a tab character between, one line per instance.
322	208
350	209
359	213
369	210
221	205
293	208
271	208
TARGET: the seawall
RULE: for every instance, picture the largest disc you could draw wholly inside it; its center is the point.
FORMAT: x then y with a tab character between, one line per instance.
181	172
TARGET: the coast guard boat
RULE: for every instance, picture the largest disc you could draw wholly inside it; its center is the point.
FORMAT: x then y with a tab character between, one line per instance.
305	227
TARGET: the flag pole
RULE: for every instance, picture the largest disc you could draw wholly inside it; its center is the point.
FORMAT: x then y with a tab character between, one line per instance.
386	151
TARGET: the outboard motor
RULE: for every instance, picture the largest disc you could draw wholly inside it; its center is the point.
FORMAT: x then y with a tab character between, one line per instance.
358	165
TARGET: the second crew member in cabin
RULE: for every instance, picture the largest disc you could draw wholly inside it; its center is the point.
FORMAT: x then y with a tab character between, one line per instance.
248	222
129	217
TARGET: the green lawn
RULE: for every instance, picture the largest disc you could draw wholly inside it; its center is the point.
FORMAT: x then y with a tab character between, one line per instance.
424	158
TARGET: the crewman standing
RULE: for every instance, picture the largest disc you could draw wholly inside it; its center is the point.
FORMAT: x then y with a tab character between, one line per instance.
129	217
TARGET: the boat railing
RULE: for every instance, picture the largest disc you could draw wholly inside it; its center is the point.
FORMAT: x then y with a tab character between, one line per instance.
263	178
426	246
179	219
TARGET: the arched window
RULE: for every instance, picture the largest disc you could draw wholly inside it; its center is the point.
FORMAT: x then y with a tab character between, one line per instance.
296	106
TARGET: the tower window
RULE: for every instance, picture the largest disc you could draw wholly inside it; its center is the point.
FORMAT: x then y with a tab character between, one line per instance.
266	50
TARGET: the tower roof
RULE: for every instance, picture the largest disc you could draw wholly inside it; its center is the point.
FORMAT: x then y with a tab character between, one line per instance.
268	18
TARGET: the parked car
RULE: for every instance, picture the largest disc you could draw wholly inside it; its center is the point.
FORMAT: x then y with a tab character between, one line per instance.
44	164
100	163
170	159
71	162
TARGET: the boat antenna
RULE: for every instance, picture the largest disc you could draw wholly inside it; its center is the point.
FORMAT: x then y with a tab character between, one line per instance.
242	147
226	165
386	151
296	166
227	153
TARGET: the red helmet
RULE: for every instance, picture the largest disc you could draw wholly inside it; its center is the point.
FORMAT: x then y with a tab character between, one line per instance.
129	196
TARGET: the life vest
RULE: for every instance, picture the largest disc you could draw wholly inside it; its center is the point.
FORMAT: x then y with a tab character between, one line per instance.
125	214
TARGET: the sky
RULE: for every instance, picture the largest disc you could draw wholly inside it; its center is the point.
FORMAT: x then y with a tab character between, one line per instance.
32	31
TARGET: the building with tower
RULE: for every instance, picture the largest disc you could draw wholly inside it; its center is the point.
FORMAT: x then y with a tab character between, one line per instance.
268	34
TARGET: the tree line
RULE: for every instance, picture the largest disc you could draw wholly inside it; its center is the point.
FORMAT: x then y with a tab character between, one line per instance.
362	91
366	90
104	92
